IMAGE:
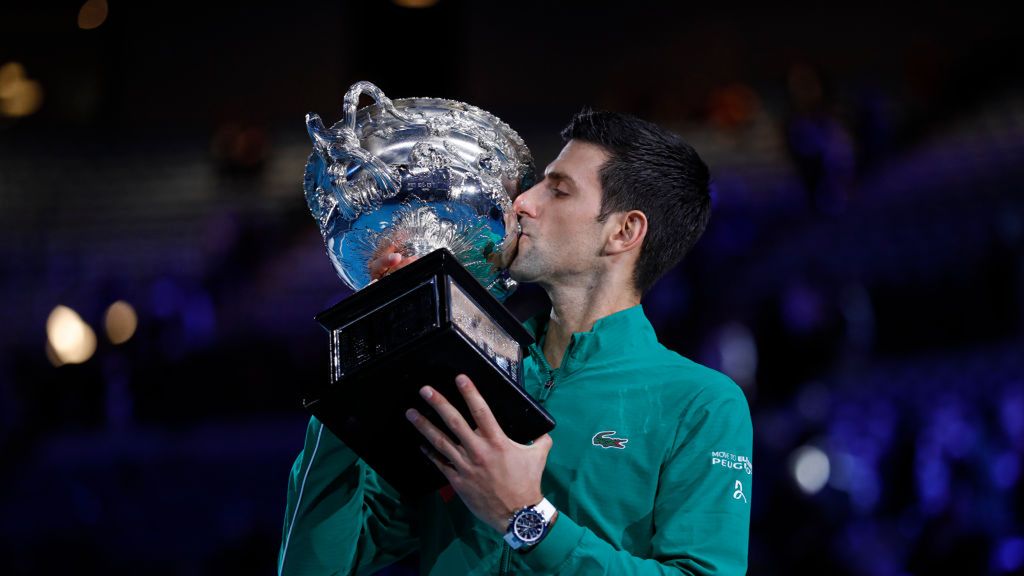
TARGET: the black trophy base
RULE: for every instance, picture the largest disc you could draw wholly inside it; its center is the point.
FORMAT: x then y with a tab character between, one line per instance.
422	325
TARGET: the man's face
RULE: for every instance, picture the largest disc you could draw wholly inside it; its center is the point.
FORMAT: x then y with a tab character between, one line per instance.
561	237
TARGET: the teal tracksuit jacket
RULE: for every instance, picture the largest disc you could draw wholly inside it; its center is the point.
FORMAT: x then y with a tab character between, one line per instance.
650	472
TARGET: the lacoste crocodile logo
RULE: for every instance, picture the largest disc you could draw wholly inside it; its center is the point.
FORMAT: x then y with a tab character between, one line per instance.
605	440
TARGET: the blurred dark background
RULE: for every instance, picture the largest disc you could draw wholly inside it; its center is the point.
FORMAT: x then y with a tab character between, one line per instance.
862	277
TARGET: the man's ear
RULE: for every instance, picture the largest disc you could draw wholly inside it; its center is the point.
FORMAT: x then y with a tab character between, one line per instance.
629	232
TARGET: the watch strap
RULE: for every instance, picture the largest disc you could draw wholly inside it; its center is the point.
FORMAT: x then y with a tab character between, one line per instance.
546	510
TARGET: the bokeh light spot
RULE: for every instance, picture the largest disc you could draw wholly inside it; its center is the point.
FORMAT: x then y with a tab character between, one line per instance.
72	340
19	95
120	322
415	3
810	468
92	14
1009	555
738	353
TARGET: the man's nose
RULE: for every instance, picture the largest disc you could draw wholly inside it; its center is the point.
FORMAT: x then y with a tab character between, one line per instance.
524	203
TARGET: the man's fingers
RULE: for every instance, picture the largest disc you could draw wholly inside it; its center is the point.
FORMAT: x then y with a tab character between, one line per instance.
387	263
544	443
399	261
438	439
478	407
451	417
382	265
446	467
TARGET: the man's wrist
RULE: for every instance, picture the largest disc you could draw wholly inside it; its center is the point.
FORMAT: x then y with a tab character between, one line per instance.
501	523
530	524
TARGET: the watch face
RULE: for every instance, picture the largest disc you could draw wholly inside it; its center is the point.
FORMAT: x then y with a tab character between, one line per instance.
529	526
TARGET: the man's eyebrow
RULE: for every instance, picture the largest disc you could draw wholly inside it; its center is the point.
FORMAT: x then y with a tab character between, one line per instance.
556	175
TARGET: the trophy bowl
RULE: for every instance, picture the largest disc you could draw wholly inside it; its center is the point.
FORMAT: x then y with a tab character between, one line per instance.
417	174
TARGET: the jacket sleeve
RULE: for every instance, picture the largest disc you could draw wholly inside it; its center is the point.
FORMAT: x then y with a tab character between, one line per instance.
701	513
340	518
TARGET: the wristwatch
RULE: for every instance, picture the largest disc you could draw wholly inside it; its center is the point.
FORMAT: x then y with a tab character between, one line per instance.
529	525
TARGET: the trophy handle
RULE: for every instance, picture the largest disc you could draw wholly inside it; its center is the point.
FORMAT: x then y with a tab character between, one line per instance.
353	185
351	103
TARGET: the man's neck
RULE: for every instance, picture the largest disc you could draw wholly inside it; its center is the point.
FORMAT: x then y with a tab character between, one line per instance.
576	309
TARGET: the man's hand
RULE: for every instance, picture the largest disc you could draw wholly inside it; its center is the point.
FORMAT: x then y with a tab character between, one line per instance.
493	475
387	260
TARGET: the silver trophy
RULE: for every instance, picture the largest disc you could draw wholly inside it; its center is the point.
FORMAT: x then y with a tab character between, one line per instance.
435	180
419	174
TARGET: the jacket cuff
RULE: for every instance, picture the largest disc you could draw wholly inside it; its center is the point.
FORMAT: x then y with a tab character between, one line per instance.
557	546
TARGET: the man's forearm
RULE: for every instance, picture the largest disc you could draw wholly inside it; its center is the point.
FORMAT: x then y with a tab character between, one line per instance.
335	509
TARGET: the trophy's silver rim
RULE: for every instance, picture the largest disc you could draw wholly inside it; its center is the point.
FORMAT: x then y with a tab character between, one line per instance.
369	116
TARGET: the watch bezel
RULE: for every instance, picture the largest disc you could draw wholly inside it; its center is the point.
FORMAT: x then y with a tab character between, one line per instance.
538	527
539	515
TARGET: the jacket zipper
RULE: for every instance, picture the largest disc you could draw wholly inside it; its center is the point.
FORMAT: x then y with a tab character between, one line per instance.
549	374
546	390
506	559
549	384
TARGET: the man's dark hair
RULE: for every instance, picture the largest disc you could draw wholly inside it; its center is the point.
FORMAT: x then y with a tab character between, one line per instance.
651	170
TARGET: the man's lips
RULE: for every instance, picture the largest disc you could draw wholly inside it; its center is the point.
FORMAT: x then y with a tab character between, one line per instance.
515	247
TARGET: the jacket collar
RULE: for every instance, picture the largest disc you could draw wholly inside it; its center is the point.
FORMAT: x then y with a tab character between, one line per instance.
616	335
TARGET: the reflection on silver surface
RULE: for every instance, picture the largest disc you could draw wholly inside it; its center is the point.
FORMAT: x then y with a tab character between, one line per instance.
500	348
419	174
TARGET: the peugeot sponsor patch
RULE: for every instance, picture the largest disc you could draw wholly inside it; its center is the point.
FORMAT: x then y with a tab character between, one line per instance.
732	461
